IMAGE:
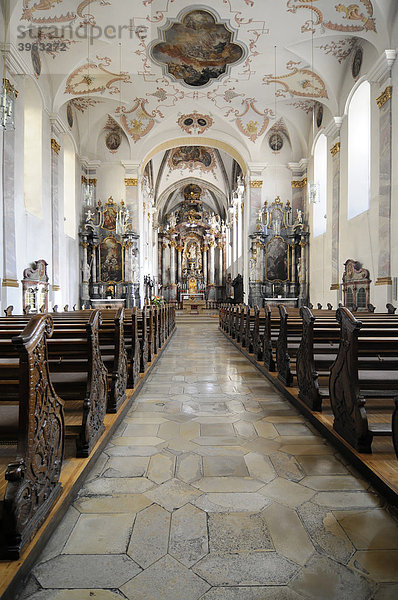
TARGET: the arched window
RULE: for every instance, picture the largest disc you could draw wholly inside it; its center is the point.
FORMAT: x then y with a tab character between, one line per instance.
320	180
69	188
33	159
359	151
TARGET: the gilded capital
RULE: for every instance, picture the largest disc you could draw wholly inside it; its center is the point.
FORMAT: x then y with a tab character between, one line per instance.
55	146
335	149
301	183
131	182
256	183
384	97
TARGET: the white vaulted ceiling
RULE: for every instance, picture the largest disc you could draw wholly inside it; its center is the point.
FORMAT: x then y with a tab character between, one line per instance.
147	65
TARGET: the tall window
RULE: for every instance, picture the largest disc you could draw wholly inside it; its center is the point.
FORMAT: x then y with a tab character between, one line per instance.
320	180
359	151
69	188
33	160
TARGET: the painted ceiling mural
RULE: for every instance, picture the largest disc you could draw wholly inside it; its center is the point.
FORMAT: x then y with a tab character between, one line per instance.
169	65
197	49
191	158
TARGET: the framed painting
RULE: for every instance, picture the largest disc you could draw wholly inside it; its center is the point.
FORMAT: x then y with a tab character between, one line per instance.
111	260
277	260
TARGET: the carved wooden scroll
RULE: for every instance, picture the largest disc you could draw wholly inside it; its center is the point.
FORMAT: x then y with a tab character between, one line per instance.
33	479
118	380
390	308
142	329
350	420
282	355
94	404
8	311
269	362
307	377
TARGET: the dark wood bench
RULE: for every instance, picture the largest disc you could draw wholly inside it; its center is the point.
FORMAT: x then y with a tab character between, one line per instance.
365	371
78	375
31	430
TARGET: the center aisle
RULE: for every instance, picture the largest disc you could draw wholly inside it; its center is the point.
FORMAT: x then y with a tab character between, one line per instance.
215	488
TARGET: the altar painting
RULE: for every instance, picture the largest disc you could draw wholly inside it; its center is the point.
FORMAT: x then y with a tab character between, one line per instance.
277	260
111	260
109	217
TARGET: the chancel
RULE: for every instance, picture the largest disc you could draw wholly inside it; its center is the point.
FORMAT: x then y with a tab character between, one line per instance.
198	269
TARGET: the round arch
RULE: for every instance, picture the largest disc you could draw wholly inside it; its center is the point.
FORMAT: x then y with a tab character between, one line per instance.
196	141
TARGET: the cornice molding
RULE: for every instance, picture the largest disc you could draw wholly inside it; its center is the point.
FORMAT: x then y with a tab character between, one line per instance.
382	68
333	128
298	169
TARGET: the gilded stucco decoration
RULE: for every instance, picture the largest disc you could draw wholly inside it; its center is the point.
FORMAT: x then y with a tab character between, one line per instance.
349	17
196	49
35	12
299	82
137	121
192	157
252	122
195	123
93	77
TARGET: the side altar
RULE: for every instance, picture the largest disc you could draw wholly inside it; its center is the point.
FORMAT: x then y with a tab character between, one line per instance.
109	252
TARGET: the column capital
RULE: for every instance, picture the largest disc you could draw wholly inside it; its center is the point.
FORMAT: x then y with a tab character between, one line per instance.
333	128
381	70
180	248
255	169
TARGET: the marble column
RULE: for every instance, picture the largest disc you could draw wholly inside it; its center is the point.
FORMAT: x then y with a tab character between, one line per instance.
173	287
179	264
336	276
10	275
132	204
211	263
55	210
164	246
205	249
384	260
220	264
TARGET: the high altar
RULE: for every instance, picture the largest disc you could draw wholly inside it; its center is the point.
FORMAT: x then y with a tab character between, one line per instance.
190	238
109	257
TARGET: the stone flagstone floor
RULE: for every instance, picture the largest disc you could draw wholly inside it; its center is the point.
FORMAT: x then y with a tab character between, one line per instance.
215	488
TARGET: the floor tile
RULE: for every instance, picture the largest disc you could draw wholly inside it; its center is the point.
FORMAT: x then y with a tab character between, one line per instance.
131	466
288	534
224	466
117	503
369	529
161	467
238	532
188	535
166	579
173	494
287	492
327	579
232	502
228	484
150	537
257	568
95	571
380	565
100	534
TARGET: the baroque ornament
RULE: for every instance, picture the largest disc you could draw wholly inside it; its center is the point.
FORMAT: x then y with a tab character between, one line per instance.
92	78
33	12
250	121
195	122
300	82
137	121
196	49
350	17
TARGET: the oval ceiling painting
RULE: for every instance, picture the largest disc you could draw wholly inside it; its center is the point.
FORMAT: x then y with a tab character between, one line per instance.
196	49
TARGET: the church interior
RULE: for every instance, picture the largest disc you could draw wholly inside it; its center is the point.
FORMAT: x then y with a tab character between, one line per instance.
198	355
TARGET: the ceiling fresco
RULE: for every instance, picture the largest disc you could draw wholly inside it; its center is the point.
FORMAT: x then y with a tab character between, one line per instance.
192	157
197	49
163	69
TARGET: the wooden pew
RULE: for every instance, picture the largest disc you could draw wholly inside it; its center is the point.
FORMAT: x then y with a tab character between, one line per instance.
317	350
30	484
366	367
258	332
79	376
